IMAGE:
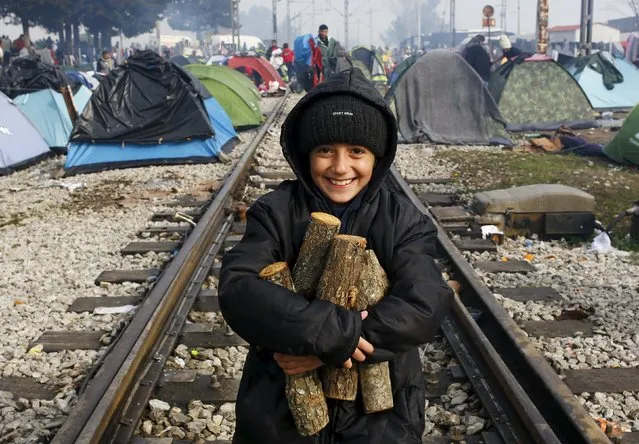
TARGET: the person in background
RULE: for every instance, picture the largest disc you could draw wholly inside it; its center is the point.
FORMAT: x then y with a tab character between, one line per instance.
289	57
508	50
105	63
269	51
477	57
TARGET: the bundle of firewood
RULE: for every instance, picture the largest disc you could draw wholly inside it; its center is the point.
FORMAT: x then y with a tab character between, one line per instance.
337	268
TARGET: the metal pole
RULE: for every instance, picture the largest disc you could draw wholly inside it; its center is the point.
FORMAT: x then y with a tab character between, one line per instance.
542	26
504	15
419	25
589	27
518	18
582	27
345	24
274	19
452	22
371	23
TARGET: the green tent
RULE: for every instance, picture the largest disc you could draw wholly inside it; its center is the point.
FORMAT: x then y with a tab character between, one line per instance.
624	147
362	67
373	63
234	91
538	94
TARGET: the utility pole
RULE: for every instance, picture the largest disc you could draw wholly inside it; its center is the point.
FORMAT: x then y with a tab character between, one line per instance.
370	18
288	21
542	26
274	19
585	30
453	31
235	24
504	15
518	17
419	24
345	24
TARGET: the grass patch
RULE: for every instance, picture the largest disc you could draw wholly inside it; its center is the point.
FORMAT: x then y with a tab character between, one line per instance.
614	188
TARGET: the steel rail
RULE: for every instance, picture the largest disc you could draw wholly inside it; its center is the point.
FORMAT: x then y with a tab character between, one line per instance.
533	387
100	405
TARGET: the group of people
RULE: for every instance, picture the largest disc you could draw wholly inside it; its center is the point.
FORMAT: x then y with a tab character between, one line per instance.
478	55
281	59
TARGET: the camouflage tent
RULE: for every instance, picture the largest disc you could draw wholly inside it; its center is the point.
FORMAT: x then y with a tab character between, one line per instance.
538	94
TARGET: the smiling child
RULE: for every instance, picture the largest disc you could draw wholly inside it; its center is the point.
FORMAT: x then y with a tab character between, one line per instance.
340	140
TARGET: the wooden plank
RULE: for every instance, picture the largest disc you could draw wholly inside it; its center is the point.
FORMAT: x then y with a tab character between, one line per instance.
187	201
211	339
231	240
89	304
558	329
439	199
525	294
207	303
426	180
180	393
238	227
168	215
119	276
279	174
266	183
476	245
181	375
53	341
148	247
175	229
452	214
605	380
512	266
28	388
215	269
439	385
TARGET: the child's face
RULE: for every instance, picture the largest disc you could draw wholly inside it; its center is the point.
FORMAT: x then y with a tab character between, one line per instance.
340	170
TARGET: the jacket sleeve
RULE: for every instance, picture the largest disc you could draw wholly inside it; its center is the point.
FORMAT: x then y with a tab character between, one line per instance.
270	316
418	298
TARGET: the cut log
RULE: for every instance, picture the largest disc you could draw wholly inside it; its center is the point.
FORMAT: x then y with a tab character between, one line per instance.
303	392
374	379
338	285
312	257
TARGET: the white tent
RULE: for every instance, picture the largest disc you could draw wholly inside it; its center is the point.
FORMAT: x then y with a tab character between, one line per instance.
20	143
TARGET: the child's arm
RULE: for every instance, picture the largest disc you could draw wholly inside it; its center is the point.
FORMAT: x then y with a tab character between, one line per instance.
418	299
270	316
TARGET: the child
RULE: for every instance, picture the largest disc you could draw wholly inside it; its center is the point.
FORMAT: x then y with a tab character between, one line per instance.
340	140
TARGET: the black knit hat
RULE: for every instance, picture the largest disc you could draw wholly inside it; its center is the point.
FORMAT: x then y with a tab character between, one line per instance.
342	119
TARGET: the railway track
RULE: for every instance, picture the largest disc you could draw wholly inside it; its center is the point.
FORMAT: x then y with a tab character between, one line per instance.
145	382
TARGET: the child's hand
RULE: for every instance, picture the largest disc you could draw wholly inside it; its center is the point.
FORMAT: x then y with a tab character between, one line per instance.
295	365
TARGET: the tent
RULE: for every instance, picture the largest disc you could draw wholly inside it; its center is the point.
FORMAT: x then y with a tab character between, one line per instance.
29	74
441	99
624	147
258	65
87	157
179	60
538	94
20	143
233	90
401	69
372	61
48	112
621	97
148	112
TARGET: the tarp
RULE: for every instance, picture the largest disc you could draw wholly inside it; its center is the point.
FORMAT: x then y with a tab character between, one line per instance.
86	157
48	113
622	97
234	91
538	94
372	61
145	100
259	65
302	49
624	147
20	143
442	99
180	60
30	74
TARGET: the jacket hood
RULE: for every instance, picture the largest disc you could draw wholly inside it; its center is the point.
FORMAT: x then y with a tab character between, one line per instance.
354	83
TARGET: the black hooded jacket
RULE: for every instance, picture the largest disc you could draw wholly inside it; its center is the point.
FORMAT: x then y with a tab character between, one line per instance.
274	319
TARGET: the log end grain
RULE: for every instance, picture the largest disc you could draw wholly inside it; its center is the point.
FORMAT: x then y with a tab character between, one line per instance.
273	270
325	219
357	240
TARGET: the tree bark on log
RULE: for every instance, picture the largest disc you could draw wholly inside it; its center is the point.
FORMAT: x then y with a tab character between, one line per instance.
338	285
374	379
303	392
312	257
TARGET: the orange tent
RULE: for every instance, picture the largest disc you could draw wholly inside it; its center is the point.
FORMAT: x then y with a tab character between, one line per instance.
257	64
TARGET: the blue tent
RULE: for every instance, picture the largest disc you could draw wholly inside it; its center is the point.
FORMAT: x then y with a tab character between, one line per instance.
91	157
48	113
20	143
624	96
